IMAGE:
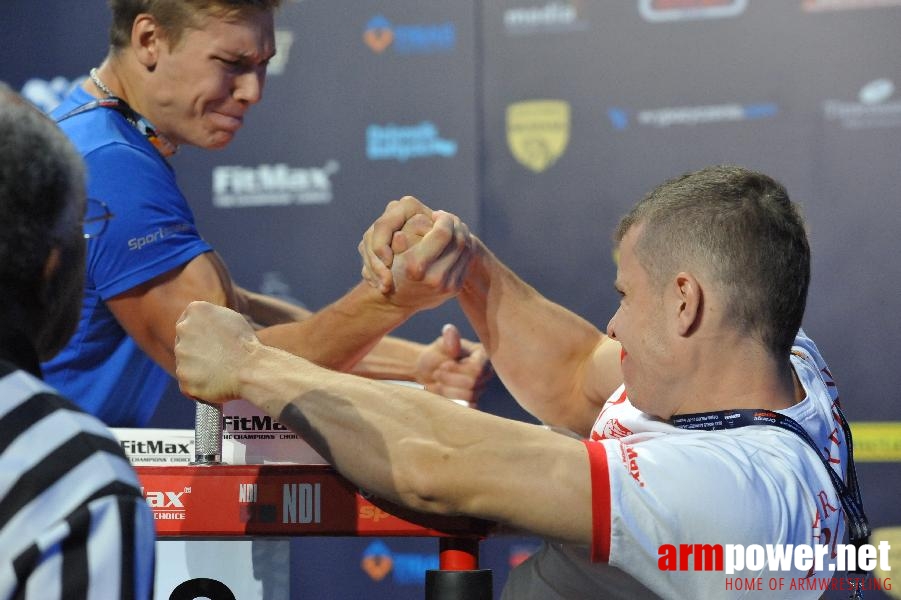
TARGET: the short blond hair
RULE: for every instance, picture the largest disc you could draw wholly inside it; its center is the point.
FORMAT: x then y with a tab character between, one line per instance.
174	15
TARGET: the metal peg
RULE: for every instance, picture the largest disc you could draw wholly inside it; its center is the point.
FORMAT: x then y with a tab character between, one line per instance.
208	434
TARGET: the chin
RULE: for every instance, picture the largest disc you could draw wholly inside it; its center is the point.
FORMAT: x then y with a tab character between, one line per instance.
219	142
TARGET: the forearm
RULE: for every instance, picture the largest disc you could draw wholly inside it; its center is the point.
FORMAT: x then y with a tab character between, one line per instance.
424	452
266	310
540	350
324	407
390	358
341	334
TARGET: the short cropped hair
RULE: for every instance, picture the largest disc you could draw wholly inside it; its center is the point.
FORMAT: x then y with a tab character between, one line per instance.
174	15
40	173
740	228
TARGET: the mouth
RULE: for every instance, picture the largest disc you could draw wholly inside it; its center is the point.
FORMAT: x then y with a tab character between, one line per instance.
229	122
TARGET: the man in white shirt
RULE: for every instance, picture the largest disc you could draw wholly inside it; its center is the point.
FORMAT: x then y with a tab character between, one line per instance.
713	274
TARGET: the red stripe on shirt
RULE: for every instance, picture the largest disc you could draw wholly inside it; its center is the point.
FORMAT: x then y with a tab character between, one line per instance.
600	502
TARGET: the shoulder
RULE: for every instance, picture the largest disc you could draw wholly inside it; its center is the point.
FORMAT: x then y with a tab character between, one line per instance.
47	436
93	128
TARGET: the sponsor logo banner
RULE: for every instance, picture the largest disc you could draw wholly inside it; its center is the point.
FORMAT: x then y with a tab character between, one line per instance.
657	11
877	442
148	446
538	132
282	500
824	5
873	109
238	186
382	35
379	561
404	142
551	17
622	118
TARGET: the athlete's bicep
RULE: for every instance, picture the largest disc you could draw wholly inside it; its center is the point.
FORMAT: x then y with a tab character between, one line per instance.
148	312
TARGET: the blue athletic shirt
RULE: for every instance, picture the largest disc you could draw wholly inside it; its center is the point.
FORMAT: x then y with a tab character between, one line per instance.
152	231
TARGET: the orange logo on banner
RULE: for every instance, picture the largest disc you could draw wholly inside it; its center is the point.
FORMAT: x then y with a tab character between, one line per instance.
378	39
373	513
377	567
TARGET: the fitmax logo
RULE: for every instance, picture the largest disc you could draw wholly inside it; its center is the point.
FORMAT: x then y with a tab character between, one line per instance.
166	499
273	185
153	447
253	423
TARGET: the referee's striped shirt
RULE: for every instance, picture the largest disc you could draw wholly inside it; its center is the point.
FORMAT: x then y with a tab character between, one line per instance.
73	521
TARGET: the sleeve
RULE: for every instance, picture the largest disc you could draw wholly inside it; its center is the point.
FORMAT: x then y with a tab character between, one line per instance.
105	548
600	501
152	228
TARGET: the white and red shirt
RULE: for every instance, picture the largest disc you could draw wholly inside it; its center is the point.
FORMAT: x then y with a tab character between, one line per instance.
655	484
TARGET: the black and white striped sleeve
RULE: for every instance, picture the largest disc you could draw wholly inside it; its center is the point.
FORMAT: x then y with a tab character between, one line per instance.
73	521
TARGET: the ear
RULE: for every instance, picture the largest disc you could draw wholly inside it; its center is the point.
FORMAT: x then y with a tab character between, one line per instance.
146	40
51	265
690	300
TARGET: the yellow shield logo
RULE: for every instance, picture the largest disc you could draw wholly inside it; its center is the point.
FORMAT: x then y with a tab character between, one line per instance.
538	132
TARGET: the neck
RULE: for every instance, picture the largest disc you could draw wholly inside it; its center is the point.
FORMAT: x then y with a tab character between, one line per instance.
745	377
106	81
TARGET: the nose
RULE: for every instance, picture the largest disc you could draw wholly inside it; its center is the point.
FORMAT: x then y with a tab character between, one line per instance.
611	326
249	86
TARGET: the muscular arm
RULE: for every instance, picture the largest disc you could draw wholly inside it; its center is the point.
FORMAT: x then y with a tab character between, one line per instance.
341	334
263	310
559	366
349	334
389	358
148	312
337	336
403	444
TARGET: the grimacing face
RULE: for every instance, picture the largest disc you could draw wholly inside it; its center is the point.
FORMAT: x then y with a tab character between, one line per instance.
639	325
204	85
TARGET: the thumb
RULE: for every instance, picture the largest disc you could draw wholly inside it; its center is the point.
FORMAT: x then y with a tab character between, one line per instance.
450	341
